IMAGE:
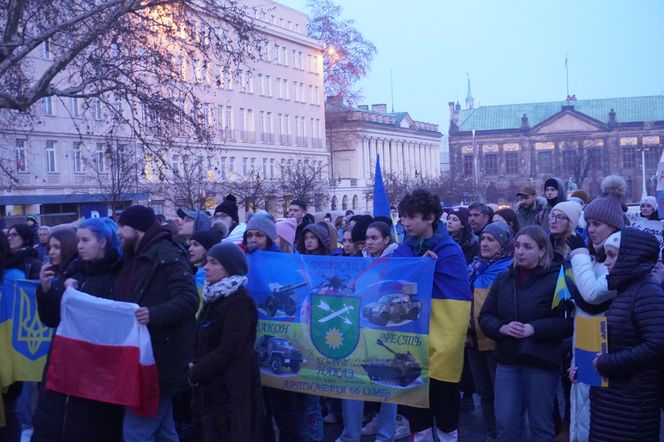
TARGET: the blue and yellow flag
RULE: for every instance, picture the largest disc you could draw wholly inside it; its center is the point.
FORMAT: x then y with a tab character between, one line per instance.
562	292
590	338
24	340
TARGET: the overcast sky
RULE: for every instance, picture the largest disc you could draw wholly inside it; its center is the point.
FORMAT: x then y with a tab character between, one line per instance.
514	51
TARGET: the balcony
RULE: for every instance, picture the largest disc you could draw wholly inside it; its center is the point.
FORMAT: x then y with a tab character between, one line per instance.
267	138
247	136
316	142
301	141
228	135
285	140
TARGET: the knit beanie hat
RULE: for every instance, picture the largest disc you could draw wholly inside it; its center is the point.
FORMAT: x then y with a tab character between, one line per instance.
263	222
210	237
501	231
572	211
608	207
229	207
138	217
613	240
231	257
650	200
462	214
359	232
286	229
552	182
581	194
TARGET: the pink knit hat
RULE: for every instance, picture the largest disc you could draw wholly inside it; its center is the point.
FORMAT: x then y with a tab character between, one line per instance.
286	229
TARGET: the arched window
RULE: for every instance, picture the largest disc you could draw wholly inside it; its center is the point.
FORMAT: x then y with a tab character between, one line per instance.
344	203
356	202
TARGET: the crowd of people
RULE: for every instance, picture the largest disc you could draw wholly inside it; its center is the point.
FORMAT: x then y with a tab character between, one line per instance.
189	280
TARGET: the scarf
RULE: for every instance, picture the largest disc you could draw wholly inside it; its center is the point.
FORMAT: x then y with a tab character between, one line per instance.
225	287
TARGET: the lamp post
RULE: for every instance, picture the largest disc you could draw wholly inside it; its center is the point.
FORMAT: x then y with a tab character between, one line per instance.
475	172
644	192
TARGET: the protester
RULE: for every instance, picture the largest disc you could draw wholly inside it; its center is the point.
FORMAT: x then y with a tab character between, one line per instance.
530	209
192	221
261	234
563	220
64	417
62	248
629	408
479	215
604	216
348	246
648	208
462	233
554	192
11	432
224	368
199	244
420	211
22	255
298	210
33	223
358	232
339	225
333	241
42	245
528	335
156	275
227	212
496	253
379	243
286	234
314	240
507	216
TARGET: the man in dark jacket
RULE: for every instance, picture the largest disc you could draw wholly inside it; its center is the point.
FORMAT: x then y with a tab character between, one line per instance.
156	275
298	210
530	210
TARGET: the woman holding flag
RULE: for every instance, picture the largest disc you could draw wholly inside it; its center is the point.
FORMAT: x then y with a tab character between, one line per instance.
528	332
61	417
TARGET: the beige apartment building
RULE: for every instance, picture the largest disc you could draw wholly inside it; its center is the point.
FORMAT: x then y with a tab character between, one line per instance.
265	119
357	136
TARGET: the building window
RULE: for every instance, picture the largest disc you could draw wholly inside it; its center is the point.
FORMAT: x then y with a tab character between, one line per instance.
48	105
629	157
245	163
100	158
222	167
316	96
272	168
21	165
50	157
231	164
468	165
544	161
569	159
96	109
46	50
511	163
77	157
491	164
228	124
74	107
594	158
268	82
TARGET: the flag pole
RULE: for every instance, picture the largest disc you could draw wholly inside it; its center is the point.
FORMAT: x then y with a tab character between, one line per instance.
567	74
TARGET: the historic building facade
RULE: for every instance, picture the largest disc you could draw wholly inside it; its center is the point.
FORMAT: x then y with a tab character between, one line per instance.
495	150
264	119
357	136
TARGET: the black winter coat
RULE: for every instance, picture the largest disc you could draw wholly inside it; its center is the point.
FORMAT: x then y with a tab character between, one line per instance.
62	417
530	304
159	277
26	260
227	399
629	408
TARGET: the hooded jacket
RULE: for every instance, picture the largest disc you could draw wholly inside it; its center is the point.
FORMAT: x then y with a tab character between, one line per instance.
386	252
629	408
450	303
535	215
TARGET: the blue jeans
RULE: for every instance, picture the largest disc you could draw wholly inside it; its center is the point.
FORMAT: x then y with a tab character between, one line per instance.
160	428
535	388
353	411
309	417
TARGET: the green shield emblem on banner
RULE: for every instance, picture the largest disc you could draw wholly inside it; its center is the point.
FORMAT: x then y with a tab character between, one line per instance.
335	324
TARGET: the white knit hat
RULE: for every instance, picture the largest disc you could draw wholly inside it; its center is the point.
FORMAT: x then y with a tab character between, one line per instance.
572	211
650	200
613	240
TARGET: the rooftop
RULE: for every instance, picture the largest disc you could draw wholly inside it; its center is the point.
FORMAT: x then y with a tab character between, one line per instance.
508	116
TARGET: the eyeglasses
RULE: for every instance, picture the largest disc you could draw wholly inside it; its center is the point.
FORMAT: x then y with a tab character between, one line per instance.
557	218
12	234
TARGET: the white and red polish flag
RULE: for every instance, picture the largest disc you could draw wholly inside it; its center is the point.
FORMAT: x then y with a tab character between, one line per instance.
100	352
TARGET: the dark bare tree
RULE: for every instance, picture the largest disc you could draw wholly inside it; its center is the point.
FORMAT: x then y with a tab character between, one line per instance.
252	191
134	69
303	179
189	181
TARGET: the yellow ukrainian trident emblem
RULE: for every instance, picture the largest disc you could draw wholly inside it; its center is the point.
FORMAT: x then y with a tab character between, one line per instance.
30	337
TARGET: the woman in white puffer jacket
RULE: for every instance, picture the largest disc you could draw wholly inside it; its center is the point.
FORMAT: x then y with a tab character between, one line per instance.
604	216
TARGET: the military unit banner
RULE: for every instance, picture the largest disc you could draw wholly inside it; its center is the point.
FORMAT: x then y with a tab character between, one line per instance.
345	327
24	340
